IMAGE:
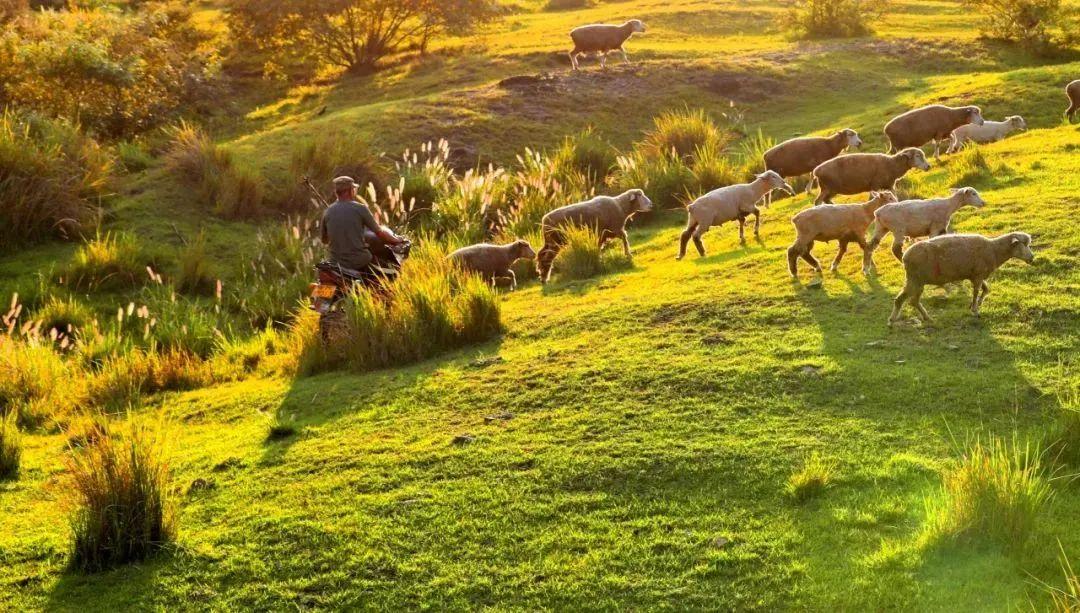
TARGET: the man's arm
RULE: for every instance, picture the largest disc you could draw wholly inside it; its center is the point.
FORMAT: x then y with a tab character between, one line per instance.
384	234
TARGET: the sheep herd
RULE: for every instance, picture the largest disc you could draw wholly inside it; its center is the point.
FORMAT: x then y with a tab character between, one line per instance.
943	258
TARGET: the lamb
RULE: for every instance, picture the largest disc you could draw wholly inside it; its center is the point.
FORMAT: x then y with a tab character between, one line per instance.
1073	92
935	123
734	202
957	257
989	132
493	262
917	218
603	39
835	222
864	172
605	215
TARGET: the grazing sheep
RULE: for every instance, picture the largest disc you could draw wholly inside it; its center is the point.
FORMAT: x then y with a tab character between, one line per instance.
864	172
493	262
917	218
957	257
1073	92
846	223
989	132
602	39
734	202
930	123
604	214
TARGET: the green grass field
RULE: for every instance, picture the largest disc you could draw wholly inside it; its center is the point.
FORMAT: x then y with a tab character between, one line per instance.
627	443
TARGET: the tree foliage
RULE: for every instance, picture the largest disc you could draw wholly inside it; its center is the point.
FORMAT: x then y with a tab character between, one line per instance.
351	34
1028	22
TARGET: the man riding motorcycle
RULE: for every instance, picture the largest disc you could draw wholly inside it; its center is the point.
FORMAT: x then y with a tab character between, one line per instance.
343	226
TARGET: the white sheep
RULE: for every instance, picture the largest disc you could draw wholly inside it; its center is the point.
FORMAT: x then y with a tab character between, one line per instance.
845	223
957	257
988	132
918	218
602	39
734	202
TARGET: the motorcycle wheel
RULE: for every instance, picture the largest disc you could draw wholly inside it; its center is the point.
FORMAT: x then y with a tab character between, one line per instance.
332	326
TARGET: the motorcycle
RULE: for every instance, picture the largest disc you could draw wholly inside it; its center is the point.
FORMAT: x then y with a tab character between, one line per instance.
334	282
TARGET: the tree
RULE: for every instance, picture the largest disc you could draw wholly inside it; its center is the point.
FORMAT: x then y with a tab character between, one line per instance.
351	34
1028	22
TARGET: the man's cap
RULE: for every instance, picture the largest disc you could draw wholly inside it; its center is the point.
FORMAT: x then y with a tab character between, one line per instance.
345	183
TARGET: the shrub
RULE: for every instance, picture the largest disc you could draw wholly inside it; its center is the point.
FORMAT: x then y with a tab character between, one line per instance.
1027	22
582	258
434	307
10	445
684	132
666	178
812	479
51	180
121	489
106	262
996	492
834	18
232	190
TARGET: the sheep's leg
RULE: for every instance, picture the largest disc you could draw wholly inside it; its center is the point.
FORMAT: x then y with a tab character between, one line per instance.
625	58
916	301
898	303
810	259
742	229
937	149
603	59
839	256
509	275
868	255
824	197
757	221
898	246
697	239
574	59
691	225
793	253
985	291
625	243
544	261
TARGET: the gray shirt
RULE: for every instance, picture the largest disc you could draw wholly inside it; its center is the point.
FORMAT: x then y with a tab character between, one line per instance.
343	226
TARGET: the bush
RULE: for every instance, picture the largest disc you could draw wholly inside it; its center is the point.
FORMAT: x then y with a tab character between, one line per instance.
587	154
815	476
51	180
996	492
434	307
323	158
232	190
685	132
121	489
582	258
10	445
105	263
1027	22
834	18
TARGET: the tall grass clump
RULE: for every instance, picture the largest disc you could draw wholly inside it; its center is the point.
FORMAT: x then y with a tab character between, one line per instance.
834	18
52	178
684	132
666	178
231	189
277	274
328	156
125	378
433	308
810	481
121	488
588	154
36	383
63	318
752	152
10	445
969	168
581	257
193	275
107	262
424	176
996	492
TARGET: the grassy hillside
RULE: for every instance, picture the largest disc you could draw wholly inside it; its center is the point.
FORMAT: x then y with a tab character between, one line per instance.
628	442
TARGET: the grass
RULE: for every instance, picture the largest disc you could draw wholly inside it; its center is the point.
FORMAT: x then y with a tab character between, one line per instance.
10	446
122	499
627	439
812	479
107	262
582	257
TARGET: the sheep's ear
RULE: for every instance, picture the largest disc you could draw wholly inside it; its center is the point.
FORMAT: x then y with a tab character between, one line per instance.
633	196
954	190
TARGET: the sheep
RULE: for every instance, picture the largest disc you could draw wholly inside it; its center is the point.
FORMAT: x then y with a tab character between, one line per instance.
734	202
989	132
493	262
917	218
957	257
603	39
606	215
864	172
835	222
1072	90
800	156
935	123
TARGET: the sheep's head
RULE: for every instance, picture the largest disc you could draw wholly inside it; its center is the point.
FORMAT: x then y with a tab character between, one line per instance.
1021	246
775	181
882	198
1017	122
640	203
969	196
524	250
915	158
974	115
851	137
636	25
